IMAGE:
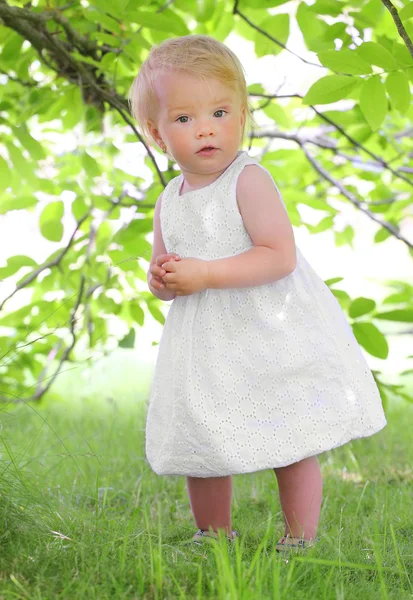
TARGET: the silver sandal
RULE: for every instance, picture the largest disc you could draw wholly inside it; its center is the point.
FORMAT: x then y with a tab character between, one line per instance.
294	544
198	538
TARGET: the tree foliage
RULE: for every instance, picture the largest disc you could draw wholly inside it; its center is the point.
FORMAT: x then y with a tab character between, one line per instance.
67	68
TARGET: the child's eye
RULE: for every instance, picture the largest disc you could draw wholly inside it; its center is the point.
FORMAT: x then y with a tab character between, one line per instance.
220	111
183	117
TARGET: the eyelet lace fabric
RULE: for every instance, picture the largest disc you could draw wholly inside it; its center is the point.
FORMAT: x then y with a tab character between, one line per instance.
250	378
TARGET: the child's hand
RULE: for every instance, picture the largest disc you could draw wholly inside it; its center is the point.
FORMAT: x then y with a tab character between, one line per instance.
157	271
186	277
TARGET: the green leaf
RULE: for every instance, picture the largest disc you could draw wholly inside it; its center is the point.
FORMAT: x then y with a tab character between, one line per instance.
15	319
129	340
136	313
313	202
205	10
327	7
222	25
262	3
123	4
90	165
5	175
377	55
11	48
256	88
344	237
13	203
106	38
371	339
406	12
99	17
34	148
136	43
156	313
167	22
86	59
112	7
402	55
330	89
14	264
323	225
398	88
398	298
50	221
373	102
361	133
22	166
369	15
344	61
361	306
79	208
333	280
135	228
381	235
312	28
342	297
104	234
277	114
278	27
402	315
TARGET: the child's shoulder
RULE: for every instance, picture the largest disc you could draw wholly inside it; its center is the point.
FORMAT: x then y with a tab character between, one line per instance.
252	174
254	179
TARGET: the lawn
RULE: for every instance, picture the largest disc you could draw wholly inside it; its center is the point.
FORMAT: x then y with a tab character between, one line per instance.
84	517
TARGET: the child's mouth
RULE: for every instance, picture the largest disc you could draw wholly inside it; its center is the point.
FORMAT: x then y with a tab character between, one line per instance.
207	151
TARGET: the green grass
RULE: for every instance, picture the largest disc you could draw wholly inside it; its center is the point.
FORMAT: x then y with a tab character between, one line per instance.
84	517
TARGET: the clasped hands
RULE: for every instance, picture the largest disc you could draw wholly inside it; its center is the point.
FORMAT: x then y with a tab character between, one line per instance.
183	276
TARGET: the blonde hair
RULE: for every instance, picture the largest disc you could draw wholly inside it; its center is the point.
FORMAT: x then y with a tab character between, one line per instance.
197	55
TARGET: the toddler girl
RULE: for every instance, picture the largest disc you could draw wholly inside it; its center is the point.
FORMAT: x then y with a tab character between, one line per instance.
257	365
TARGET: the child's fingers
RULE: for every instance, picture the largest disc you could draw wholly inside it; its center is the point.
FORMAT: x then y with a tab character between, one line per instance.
157	283
157	271
162	258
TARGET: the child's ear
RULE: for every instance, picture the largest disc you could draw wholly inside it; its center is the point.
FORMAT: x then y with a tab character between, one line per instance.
155	133
243	116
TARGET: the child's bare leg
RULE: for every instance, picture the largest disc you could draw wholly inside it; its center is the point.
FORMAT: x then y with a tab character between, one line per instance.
300	487
210	499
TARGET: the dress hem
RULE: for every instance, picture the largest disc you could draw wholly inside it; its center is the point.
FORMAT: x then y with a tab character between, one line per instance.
250	470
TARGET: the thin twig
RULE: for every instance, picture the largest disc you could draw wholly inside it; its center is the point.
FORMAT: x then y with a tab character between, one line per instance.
347	194
236	11
400	27
56	261
344	133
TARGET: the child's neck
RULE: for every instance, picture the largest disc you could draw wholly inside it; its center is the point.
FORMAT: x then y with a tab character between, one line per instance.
197	181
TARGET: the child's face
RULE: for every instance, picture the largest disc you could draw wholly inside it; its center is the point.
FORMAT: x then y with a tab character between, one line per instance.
192	115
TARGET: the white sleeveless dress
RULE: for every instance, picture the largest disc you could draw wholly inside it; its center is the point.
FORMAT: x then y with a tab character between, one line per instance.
250	378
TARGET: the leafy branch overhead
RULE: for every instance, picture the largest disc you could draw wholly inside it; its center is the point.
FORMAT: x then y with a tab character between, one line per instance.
65	72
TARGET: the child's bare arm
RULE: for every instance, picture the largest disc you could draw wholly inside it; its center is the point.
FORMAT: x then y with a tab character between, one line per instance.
266	220
159	256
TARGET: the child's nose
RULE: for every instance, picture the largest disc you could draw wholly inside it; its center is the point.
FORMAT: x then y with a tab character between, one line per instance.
205	129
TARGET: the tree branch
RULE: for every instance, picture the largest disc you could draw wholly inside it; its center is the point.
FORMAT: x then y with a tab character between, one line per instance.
301	141
400	27
236	11
347	194
42	390
293	137
353	141
21	20
29	84
326	144
56	261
